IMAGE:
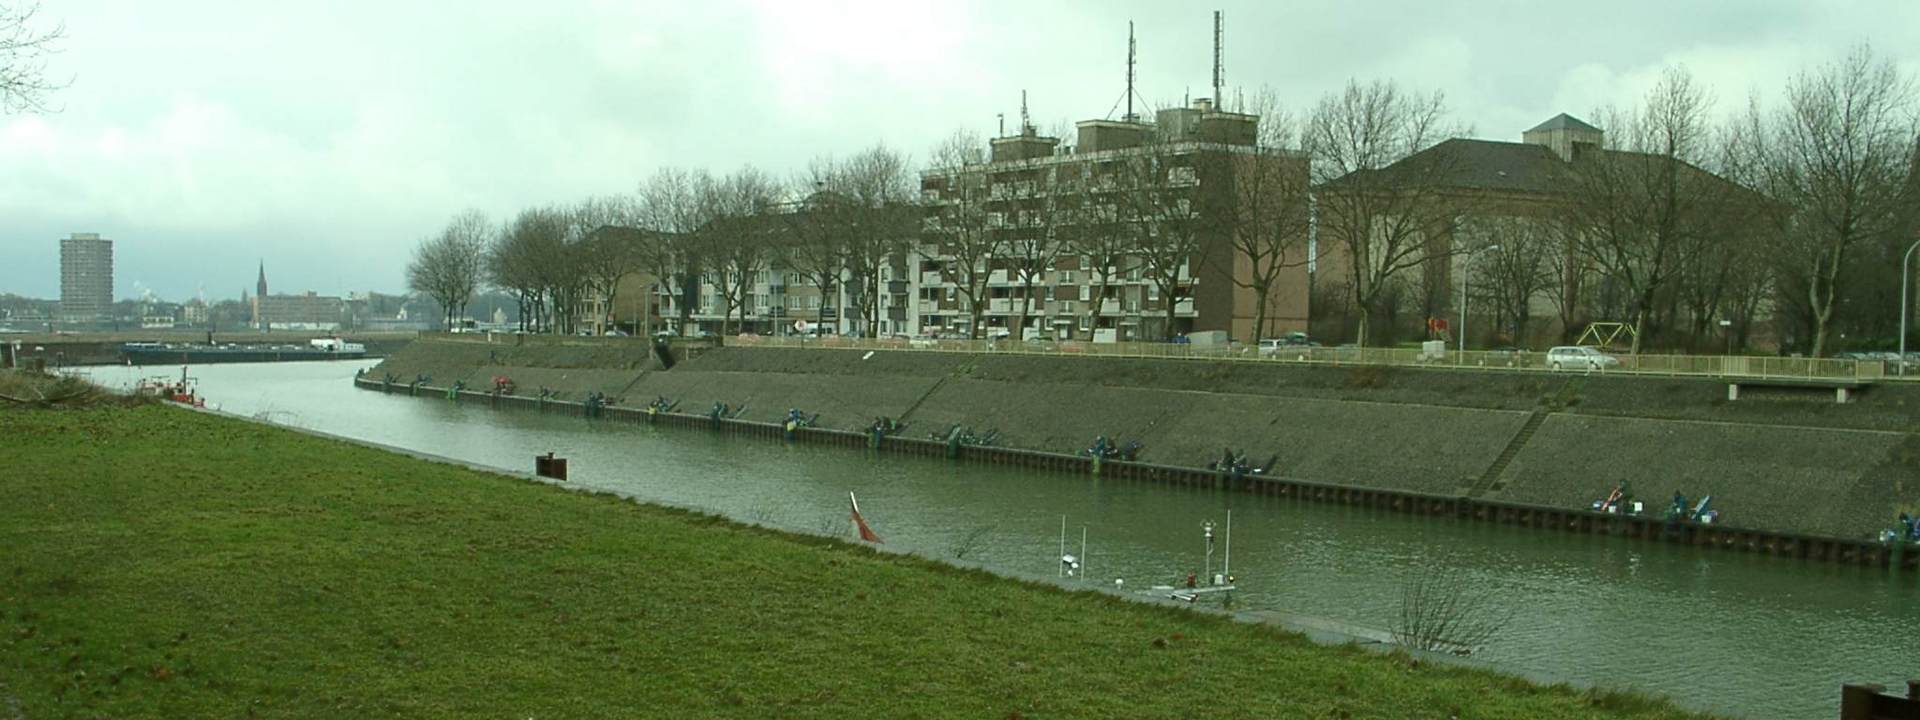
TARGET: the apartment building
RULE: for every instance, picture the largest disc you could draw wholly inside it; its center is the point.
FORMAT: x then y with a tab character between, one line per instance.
1070	251
86	278
1071	248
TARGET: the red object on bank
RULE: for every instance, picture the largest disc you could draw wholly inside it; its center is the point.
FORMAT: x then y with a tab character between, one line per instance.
866	533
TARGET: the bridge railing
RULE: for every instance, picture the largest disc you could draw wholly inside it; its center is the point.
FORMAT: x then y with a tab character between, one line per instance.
1786	368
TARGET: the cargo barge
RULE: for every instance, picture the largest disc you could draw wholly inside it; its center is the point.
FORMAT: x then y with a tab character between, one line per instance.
153	353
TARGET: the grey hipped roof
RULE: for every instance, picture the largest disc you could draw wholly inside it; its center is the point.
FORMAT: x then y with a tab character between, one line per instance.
1563	121
1475	164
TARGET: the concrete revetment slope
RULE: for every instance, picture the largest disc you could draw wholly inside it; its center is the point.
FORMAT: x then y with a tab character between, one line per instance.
1782	464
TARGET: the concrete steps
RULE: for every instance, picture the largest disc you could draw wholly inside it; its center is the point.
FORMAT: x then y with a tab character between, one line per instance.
1491	479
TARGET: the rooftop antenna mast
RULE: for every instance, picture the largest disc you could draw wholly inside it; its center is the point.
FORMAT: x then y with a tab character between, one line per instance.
1131	116
1219	67
1026	128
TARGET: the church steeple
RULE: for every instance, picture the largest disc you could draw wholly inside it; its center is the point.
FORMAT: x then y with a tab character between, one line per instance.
259	296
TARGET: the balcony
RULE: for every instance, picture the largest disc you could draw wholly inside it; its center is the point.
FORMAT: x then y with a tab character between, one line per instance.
999	277
929	279
1000	305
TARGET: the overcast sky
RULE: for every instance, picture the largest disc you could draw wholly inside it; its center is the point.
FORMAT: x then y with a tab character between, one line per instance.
327	138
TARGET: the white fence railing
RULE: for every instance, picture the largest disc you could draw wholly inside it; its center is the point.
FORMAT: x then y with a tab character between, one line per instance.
1647	364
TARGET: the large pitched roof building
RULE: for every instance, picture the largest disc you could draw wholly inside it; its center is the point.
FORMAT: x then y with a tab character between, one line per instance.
1466	184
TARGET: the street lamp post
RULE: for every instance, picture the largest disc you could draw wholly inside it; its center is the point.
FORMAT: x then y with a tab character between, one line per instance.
1465	279
1906	274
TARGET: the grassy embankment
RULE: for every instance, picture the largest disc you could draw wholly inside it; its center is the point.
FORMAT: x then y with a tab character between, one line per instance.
160	563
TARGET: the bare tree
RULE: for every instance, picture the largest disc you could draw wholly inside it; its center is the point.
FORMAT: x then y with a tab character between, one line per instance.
450	266
610	249
1163	220
1101	239
809	245
23	59
1264	210
872	210
737	237
1837	155
670	209
1381	221
1517	264
1037	238
959	236
510	264
1441	609
537	238
1642	210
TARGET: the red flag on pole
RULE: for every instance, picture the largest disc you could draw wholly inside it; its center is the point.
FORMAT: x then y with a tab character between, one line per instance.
866	533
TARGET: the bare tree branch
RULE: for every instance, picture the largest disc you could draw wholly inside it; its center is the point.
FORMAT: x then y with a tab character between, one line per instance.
23	59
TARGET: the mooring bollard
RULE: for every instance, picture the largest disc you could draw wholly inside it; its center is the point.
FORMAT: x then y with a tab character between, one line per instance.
548	466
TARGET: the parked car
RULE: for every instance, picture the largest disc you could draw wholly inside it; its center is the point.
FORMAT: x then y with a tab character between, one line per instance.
1579	356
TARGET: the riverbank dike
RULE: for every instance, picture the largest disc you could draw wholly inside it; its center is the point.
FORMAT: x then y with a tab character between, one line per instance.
163	562
1775	460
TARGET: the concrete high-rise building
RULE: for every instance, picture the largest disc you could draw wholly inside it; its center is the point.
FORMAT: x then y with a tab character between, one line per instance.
86	278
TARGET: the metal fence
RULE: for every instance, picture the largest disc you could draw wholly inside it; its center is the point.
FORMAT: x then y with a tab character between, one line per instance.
1739	366
1825	369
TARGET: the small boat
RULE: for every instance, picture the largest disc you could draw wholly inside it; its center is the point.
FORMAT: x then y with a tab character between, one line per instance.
171	390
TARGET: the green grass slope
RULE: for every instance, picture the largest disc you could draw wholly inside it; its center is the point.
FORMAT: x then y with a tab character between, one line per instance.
161	563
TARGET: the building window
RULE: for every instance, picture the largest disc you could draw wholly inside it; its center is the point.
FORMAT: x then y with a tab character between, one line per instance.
1066	277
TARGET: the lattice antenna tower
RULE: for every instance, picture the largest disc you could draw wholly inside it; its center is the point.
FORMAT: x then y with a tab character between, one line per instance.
1132	60
1219	63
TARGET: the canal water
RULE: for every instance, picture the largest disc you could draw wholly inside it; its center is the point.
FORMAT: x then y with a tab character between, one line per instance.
1744	635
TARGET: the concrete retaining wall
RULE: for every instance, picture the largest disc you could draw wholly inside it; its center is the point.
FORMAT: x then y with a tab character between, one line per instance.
569	371
1801	479
1845	475
1647	528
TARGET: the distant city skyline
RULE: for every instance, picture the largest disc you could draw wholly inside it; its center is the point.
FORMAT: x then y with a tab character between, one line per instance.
203	137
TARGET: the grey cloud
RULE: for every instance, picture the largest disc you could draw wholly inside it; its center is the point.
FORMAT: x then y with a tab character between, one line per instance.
328	137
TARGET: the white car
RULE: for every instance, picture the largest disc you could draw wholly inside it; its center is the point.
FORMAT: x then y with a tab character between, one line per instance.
1580	357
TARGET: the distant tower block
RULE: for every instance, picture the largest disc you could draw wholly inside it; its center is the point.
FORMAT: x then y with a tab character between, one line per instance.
86	278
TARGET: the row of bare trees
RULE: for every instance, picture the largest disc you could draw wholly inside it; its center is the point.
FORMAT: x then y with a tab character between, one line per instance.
691	232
